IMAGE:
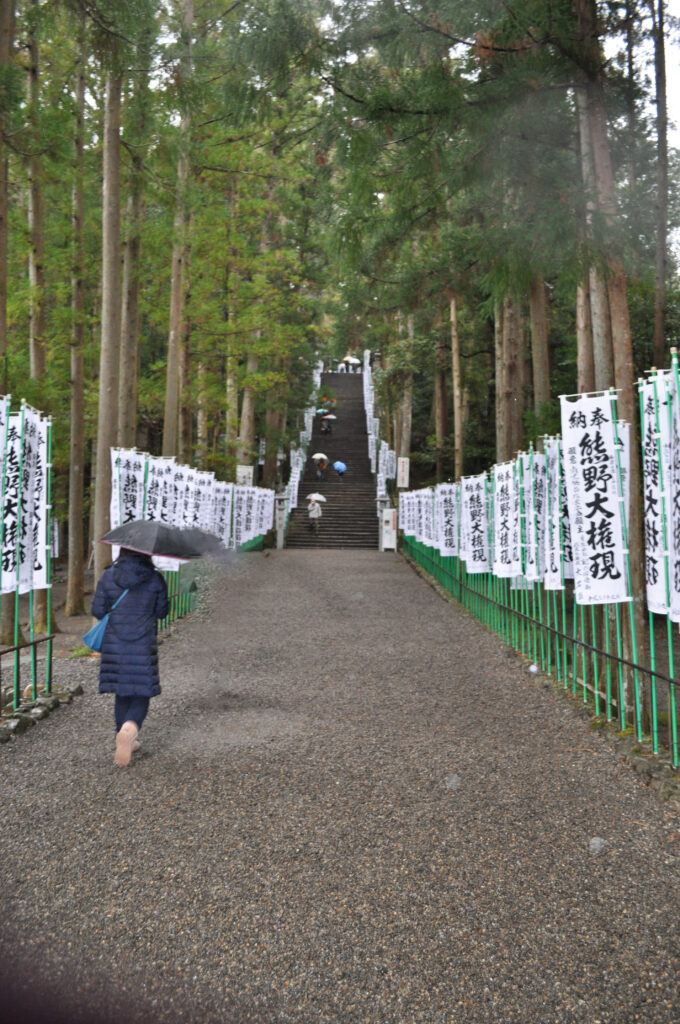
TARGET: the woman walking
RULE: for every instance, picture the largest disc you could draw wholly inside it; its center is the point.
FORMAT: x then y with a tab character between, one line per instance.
129	657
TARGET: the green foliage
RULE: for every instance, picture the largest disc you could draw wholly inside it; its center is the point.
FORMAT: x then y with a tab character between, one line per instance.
352	167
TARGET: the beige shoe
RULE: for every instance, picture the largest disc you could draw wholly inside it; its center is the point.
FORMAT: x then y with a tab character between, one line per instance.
125	740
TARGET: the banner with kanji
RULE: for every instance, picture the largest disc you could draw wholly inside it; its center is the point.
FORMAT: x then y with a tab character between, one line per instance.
656	476
24	486
474	524
532	466
507	561
553	534
595	499
447	498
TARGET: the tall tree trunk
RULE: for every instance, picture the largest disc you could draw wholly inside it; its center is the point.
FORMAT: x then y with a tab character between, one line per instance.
457	392
403	420
512	377
274	420
6	48
499	376
440	399
137	118
622	348
75	585
631	87
36	270
231	406
202	417
540	356
171	411
661	262
129	343
109	359
175	332
246	438
185	424
404	415
585	367
186	432
600	323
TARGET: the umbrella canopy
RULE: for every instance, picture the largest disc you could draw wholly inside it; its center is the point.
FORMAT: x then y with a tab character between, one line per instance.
351	359
340	466
321	412
207	543
319	455
315	497
330	416
153	538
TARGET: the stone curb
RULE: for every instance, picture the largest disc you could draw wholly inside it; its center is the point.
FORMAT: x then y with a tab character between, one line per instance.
15	721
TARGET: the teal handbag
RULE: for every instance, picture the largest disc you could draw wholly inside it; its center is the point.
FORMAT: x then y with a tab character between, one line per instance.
94	638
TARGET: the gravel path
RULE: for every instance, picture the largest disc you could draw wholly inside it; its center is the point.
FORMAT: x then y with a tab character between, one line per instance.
352	805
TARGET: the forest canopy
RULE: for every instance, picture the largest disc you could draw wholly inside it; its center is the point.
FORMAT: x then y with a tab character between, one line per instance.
198	202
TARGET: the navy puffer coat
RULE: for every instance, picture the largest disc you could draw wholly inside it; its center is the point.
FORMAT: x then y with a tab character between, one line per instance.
129	665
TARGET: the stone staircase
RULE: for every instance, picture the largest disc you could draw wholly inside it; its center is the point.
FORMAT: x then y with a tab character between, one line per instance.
349	517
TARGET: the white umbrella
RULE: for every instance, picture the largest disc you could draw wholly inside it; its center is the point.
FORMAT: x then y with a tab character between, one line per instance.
315	497
320	455
351	359
329	416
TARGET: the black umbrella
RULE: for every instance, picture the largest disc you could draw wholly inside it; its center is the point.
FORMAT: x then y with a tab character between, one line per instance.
207	543
153	538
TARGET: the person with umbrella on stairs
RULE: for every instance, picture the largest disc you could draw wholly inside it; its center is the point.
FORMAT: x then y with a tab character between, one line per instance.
314	512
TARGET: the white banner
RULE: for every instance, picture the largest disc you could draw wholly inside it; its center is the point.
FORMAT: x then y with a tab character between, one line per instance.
447	498
507	560
160	494
656	474
190	499
426	517
674	502
533	494
222	515
128	478
382	458
239	530
28	460
33	543
11	505
474	529
40	510
595	500
391	465
552	537
203	507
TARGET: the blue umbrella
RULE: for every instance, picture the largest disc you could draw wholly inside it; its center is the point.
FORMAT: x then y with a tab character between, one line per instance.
340	466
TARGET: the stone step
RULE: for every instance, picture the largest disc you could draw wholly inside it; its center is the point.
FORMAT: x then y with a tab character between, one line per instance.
349	516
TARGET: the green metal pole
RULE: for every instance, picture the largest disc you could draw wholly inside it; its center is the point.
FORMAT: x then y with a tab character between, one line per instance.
619	651
607	646
17	664
631	609
596	679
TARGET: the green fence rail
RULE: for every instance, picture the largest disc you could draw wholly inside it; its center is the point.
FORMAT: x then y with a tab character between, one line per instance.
581	647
